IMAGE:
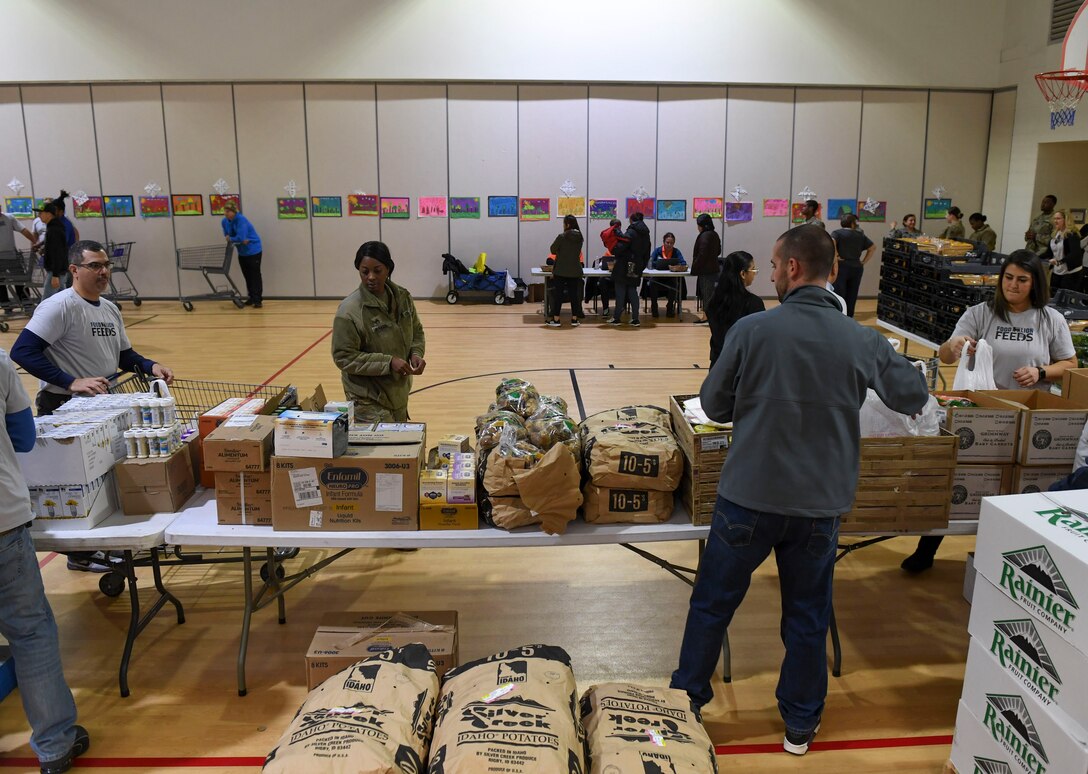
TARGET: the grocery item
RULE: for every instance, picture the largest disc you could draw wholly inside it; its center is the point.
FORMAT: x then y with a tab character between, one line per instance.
954	401
505	459
547	427
633	454
523	402
551	489
553	401
488	427
509	512
604	505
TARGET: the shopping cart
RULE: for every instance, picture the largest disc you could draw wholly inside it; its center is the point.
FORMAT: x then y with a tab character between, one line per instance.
16	275
209	260
119	254
930	368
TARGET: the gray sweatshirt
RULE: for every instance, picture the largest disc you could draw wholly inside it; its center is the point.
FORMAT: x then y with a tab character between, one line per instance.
792	380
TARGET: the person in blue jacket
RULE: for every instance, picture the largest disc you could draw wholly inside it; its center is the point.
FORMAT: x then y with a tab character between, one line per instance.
238	229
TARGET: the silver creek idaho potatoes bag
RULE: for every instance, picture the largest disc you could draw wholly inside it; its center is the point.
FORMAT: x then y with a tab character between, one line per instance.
632	729
374	717
511	713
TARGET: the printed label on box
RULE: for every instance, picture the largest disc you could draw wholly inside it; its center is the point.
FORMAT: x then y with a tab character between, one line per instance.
304	487
241	420
714	444
315	519
388	492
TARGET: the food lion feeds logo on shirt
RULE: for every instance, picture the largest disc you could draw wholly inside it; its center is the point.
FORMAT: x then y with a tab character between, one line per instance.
1014	333
103	329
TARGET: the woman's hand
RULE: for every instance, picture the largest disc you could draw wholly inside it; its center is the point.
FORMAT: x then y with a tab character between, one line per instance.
399	367
1028	376
417	364
961	342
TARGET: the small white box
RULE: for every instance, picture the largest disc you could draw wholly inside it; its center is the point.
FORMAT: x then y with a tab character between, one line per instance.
311	434
974	750
449	445
461	486
432	486
345	407
76	506
69	454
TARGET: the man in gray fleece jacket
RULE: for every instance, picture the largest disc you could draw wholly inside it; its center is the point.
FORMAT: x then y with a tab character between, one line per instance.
792	380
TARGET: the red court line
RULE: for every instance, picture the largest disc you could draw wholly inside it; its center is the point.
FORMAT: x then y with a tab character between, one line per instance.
298	357
842	744
48	558
137	763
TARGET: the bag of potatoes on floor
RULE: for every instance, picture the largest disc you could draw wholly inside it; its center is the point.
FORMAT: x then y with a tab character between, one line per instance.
374	717
551	489
633	728
514	713
631	454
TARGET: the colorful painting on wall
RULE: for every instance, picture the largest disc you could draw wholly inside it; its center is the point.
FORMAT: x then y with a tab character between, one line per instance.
431	206
92	208
187	204
362	204
39	202
672	209
879	215
19	206
396	207
796	216
118	207
464	207
570	205
290	208
154	207
646	207
502	206
738	212
837	209
325	207
602	209
707	205
936	209
217	202
534	209
776	208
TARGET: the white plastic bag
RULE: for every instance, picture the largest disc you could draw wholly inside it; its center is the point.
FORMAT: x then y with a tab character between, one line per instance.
879	421
981	377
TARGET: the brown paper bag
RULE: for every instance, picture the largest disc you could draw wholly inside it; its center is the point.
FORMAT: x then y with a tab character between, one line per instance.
627	506
551	489
499	474
511	512
633	455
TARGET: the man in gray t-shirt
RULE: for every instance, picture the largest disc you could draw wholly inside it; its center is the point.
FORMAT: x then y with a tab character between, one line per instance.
76	341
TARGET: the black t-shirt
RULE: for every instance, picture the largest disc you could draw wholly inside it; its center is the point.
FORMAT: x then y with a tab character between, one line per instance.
852	243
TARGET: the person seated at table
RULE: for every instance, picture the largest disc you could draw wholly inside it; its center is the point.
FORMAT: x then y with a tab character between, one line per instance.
907	230
954	229
663	259
1031	342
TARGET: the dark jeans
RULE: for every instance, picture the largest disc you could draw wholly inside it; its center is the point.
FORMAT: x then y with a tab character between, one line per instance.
704	288
569	288
1074	281
740	539
626	294
47	402
848	283
667	287
251	270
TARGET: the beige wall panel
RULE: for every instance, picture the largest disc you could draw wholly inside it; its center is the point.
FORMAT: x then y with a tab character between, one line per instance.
14	162
997	166
826	138
959	129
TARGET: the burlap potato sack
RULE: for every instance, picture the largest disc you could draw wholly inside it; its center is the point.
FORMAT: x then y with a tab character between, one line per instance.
511	713
374	717
605	505
634	728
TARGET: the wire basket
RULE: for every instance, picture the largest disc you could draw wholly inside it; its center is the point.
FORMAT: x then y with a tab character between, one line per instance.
194	398
930	368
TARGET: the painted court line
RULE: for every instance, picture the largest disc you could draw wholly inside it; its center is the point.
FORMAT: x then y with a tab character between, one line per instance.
298	357
843	744
141	763
48	558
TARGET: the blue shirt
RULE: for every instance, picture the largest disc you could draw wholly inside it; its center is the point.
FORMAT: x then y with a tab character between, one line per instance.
69	231
239	230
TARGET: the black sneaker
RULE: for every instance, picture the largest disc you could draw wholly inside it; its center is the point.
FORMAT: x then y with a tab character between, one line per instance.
99	561
702	322
916	563
552	323
258	305
250	302
615	322
79	746
605	312
575	322
797	744
636	324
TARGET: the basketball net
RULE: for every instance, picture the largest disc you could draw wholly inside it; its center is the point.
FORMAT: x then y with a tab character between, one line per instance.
1062	90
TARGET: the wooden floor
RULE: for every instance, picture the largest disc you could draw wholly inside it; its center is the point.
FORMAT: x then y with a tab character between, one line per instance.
620	617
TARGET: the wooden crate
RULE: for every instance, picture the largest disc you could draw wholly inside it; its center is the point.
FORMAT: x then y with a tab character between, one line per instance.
704	455
699	492
905	484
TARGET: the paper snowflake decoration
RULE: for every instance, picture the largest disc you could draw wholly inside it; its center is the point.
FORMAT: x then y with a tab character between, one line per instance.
640	193
738	193
359	192
806	193
938	192
871	205
153	188
80	197
568	187
16	185
220	186
291	188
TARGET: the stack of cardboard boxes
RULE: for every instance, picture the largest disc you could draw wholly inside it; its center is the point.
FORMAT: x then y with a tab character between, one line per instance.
238	454
447	491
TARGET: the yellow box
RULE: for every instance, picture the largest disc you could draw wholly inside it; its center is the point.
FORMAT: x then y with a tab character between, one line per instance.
432	486
439	516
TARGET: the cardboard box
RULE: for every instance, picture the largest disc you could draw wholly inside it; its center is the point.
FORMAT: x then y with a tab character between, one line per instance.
344	639
974	750
116	420
74	506
155	485
969	576
242	443
449	445
988	432
388	433
345	407
319	434
244	498
461	486
1027	480
1050	426
369	488
448	516
69	454
970	483
432	486
1075	386
216	416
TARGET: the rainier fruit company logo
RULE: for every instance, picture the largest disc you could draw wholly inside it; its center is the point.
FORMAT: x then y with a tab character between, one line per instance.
343	478
990	766
1031	579
1020	650
1067	520
1008	721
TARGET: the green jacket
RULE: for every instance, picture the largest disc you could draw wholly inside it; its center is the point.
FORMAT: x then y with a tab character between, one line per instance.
1043	226
366	335
954	231
986	235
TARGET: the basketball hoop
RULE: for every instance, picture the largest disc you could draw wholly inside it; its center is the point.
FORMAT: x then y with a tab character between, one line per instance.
1062	90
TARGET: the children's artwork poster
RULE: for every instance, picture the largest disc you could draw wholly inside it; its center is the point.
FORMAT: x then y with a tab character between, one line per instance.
118	207
19	206
291	208
672	209
217	202
91	208
534	209
431	206
396	207
187	204
39	203
738	212
776	208
464	207
325	207
646	207
362	204
707	205
879	215
936	209
837	209
602	209
502	206
570	205
796	214
154	207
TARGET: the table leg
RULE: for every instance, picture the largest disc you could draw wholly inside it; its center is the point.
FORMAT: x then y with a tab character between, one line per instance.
274	582
156	572
133	622
247	614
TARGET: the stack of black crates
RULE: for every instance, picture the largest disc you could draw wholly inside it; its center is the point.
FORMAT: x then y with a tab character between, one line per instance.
917	291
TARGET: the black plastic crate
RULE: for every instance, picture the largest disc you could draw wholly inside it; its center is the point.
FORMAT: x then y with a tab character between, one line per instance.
894	290
894	274
971	294
924	271
895	259
889	302
951	306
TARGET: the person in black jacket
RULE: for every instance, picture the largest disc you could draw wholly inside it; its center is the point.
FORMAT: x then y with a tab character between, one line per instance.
567	273
55	251
704	261
732	300
1065	254
632	256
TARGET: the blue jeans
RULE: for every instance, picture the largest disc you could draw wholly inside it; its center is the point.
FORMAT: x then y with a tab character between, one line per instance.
626	294
740	539
47	286
26	621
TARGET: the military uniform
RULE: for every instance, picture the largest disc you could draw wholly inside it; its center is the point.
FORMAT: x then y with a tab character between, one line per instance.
902	232
985	235
1043	227
954	231
814	221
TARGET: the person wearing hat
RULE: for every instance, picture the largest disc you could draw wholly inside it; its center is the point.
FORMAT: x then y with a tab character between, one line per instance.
239	231
54	250
954	229
377	340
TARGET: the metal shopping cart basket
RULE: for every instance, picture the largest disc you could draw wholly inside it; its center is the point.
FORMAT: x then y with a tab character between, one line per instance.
119	254
209	260
16	275
930	368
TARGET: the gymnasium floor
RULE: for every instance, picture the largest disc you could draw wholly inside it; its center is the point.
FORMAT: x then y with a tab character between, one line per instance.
620	617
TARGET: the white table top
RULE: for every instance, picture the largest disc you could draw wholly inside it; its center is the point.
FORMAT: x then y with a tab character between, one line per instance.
536	271
909	336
